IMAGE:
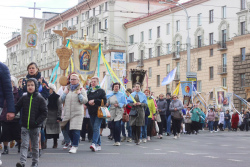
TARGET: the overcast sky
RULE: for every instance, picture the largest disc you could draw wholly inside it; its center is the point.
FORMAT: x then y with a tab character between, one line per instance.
10	16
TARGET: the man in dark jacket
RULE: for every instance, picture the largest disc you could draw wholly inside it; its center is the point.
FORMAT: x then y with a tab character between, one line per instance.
34	112
168	115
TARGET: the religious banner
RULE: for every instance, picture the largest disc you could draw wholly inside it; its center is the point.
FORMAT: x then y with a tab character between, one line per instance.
32	32
118	63
220	97
186	89
137	76
85	56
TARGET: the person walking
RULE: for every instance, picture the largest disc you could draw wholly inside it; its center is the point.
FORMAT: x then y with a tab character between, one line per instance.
137	113
34	112
211	118
168	116
74	97
227	121
95	97
127	109
245	120
52	127
235	121
216	120
162	108
116	102
221	120
188	121
176	107
196	117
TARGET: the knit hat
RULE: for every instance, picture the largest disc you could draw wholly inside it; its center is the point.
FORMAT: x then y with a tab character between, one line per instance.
52	86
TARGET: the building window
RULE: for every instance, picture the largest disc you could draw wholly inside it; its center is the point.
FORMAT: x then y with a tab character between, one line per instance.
150	52
199	86
158	62
242	80
211	16
178	48
158	80
224	82
106	24
150	72
168	68
168	89
177	25
211	73
243	4
199	41
224	38
158	32
243	54
131	39
150	34
199	64
224	62
106	6
211	95
87	14
224	12
211	38
199	19
168	48
100	9
142	36
83	17
131	57
168	28
76	19
158	51
242	28
211	52
100	26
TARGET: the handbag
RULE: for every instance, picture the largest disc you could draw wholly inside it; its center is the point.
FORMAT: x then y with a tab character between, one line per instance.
103	111
158	117
125	116
156	127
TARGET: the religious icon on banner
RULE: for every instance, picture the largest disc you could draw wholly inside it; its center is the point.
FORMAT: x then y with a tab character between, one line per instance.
186	100
84	57
31	40
220	95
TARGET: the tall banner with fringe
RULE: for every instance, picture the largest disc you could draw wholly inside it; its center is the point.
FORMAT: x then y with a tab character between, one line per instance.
85	57
32	32
187	91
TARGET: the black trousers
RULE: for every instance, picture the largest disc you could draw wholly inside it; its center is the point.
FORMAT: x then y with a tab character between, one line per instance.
162	124
176	125
195	126
245	122
136	132
216	125
188	128
149	126
87	128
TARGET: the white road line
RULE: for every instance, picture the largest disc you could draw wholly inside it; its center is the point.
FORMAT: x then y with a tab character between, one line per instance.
173	151
155	153
237	153
211	157
143	147
196	153
108	153
235	160
157	149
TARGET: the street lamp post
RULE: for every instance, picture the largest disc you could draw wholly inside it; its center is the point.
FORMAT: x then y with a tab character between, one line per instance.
188	39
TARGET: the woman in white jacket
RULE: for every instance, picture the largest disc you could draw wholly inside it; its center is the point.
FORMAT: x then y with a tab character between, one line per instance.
74	96
221	119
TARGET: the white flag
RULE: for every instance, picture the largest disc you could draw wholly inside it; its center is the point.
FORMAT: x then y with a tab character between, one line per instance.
32	32
169	78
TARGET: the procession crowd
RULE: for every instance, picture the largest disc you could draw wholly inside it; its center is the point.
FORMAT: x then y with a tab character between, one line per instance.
32	112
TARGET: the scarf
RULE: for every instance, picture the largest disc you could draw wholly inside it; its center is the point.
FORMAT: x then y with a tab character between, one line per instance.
93	89
73	87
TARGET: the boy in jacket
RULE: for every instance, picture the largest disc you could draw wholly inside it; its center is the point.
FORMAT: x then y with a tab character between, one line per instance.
34	112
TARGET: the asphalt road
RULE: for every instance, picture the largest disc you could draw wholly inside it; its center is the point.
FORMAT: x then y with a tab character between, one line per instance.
222	149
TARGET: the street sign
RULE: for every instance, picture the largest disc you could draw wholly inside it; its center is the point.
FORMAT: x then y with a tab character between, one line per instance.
191	75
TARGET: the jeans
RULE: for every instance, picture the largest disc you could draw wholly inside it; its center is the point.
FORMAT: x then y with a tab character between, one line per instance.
66	137
143	132
168	124
176	126
123	128
227	124
117	130
216	125
86	128
74	136
129	130
42	135
96	124
26	135
210	125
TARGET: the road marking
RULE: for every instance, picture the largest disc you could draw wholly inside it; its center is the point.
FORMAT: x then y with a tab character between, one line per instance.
210	157
143	147
157	149
196	153
236	160
173	151
155	153
238	153
108	153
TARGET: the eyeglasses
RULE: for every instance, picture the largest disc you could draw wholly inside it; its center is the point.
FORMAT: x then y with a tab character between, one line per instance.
73	79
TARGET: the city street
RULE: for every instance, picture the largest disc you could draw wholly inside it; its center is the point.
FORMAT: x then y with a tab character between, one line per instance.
222	149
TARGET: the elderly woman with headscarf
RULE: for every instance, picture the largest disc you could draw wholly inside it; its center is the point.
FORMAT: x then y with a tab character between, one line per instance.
116	101
74	96
52	127
137	113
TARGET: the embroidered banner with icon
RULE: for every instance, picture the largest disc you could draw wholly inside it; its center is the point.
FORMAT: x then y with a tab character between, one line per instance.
32	32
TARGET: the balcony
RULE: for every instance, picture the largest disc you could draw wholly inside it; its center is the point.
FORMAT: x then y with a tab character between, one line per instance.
176	56
222	46
222	69
177	76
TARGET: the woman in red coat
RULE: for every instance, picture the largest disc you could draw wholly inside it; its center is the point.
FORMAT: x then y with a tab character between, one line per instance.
235	121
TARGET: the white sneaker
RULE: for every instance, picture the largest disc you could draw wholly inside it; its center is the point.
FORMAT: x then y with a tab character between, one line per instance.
216	131
178	135
93	147
175	137
98	148
118	143
67	146
73	150
129	140
144	140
